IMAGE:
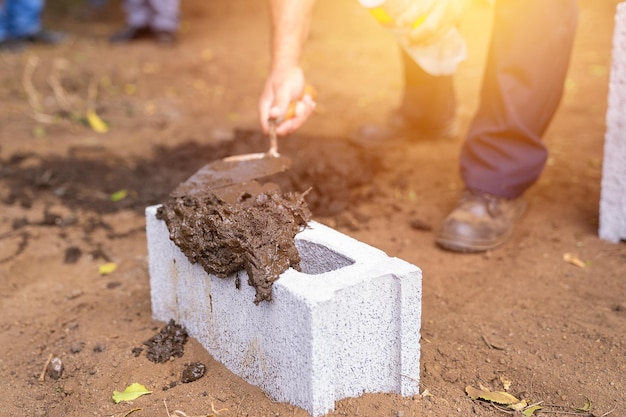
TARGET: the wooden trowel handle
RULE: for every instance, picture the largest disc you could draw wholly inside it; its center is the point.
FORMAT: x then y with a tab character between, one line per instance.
291	109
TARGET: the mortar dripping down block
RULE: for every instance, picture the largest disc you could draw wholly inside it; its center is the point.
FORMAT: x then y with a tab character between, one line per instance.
347	324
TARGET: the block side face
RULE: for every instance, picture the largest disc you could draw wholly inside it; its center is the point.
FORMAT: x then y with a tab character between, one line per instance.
268	345
374	347
162	268
612	222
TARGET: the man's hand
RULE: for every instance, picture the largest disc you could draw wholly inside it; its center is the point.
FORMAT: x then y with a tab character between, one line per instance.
287	100
284	98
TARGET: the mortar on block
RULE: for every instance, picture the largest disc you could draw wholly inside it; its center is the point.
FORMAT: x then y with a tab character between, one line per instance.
346	324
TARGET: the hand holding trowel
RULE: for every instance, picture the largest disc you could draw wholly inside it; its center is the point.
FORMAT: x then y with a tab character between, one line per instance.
241	170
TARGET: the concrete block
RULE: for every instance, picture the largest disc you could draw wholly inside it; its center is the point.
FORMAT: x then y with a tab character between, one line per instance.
347	324
613	193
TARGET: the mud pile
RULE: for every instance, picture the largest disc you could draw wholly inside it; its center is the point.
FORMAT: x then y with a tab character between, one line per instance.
254	231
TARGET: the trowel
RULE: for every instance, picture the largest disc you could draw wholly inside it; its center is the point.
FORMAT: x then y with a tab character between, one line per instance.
236	170
231	176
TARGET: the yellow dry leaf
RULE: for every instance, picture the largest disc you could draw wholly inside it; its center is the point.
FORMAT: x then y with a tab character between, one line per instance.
426	393
506	383
96	123
573	259
529	412
108	268
585	408
130	89
497	397
119	195
519	406
133	391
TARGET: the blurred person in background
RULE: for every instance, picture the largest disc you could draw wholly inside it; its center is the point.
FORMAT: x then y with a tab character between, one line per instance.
156	19
20	24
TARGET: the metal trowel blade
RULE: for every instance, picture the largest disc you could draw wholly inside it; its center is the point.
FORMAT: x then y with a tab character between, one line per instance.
223	173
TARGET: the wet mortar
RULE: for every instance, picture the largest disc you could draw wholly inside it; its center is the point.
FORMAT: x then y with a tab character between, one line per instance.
248	226
168	343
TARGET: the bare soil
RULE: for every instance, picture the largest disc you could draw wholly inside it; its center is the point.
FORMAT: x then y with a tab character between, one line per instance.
72	200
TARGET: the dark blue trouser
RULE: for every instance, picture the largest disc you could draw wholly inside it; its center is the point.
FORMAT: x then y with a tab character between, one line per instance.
529	53
19	18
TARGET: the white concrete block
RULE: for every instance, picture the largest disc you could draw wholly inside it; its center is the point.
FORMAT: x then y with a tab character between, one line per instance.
347	324
613	195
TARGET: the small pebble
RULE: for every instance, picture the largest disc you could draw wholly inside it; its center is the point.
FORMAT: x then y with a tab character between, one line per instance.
193	372
55	368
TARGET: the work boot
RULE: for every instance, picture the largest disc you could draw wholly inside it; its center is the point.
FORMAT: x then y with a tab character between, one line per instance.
399	130
480	222
165	37
47	37
130	34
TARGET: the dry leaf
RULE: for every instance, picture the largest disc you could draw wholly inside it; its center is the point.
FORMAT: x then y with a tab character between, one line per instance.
506	383
96	123
131	392
108	268
585	408
119	195
529	412
519	406
497	397
574	260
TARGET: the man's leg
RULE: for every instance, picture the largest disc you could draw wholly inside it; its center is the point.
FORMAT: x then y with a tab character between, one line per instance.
429	102
528	59
165	15
24	17
138	15
427	110
503	153
165	19
25	23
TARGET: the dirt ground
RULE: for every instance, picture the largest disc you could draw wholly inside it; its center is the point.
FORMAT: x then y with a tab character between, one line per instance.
72	199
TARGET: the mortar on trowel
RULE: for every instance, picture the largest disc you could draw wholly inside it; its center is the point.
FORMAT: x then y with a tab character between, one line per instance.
226	220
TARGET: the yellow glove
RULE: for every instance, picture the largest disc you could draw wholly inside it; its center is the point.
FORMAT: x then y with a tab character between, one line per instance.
428	20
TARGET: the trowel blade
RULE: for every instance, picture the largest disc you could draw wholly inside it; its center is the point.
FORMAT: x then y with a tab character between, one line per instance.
224	173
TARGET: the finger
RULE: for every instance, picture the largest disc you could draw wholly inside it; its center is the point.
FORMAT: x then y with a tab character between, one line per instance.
303	109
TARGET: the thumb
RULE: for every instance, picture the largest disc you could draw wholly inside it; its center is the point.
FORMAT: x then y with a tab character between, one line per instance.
280	104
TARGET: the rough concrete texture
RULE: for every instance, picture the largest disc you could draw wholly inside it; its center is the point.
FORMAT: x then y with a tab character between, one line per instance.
347	324
613	195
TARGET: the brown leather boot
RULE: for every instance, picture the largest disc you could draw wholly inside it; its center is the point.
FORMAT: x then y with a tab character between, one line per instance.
480	222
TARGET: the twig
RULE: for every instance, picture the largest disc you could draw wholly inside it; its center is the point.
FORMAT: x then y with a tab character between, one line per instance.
239	405
482	336
608	412
57	89
31	92
166	410
42	376
92	94
501	409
